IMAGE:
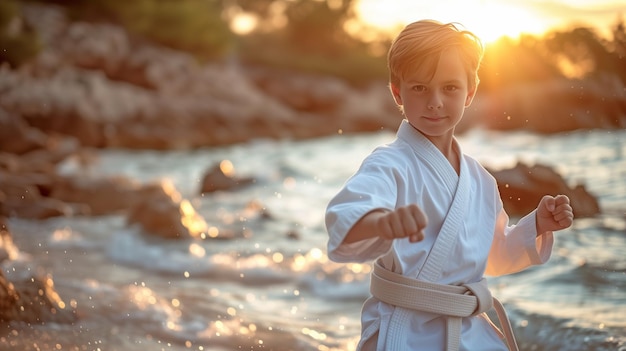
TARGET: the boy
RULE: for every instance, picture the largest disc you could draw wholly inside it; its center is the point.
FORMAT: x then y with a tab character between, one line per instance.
430	216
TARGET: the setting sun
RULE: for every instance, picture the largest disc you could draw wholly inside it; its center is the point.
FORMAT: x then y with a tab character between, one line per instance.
491	19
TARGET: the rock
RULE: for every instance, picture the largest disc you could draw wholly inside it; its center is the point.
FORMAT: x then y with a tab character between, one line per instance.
22	197
16	136
220	177
554	106
371	109
8	250
40	209
300	91
33	300
161	211
26	179
8	299
99	196
522	187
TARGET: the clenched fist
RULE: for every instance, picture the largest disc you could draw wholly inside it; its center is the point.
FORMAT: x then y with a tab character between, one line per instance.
407	221
554	213
403	222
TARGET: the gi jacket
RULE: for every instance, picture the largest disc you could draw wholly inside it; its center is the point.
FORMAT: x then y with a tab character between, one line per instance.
411	170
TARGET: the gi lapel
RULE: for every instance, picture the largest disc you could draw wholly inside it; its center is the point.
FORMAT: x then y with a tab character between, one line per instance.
446	240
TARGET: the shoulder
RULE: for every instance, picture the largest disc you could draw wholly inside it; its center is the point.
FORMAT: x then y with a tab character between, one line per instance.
478	170
394	157
397	150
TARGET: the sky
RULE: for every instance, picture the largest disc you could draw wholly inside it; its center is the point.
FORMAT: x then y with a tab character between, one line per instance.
491	19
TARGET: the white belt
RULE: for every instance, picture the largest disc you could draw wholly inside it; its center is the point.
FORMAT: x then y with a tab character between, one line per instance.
454	302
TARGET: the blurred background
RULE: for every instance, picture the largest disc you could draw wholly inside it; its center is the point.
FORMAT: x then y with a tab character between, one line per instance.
165	166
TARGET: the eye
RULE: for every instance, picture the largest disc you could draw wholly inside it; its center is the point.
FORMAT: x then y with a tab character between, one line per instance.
450	88
419	88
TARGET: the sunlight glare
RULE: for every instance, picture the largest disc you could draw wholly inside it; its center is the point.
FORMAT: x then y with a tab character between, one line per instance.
243	23
503	20
488	19
197	250
191	219
227	168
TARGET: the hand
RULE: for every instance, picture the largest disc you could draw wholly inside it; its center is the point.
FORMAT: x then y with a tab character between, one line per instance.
554	213
403	222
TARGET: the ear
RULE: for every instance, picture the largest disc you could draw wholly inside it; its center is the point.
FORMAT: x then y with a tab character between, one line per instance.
470	96
395	92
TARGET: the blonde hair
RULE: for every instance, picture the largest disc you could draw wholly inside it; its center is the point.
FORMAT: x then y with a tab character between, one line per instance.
421	43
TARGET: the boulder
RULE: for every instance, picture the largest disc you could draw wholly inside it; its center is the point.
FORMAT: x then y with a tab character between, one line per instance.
30	299
21	196
523	186
220	177
553	106
33	300
16	136
99	196
161	211
8	250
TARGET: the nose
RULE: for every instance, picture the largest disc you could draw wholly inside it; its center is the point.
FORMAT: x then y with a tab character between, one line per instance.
434	102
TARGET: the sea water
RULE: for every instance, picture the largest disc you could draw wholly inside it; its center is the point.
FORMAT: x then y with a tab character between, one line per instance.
270	285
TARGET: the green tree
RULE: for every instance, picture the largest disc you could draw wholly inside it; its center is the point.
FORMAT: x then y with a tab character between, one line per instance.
582	49
309	35
510	62
618	48
18	42
579	49
195	26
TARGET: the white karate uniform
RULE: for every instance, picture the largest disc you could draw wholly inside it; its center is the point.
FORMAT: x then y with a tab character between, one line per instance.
411	170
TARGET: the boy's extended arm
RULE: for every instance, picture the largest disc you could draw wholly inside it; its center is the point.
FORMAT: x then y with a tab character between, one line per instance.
514	249
407	221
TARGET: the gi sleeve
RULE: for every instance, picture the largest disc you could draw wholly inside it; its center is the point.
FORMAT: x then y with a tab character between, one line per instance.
517	247
371	188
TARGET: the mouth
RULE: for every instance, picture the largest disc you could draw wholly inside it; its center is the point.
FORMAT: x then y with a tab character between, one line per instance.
433	118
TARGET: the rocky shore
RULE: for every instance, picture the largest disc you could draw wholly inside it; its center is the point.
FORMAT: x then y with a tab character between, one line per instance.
93	86
95	82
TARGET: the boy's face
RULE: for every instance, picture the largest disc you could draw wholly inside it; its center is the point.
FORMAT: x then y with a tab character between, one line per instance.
434	106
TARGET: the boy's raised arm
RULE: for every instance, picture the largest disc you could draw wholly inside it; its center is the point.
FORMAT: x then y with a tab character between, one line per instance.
554	213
